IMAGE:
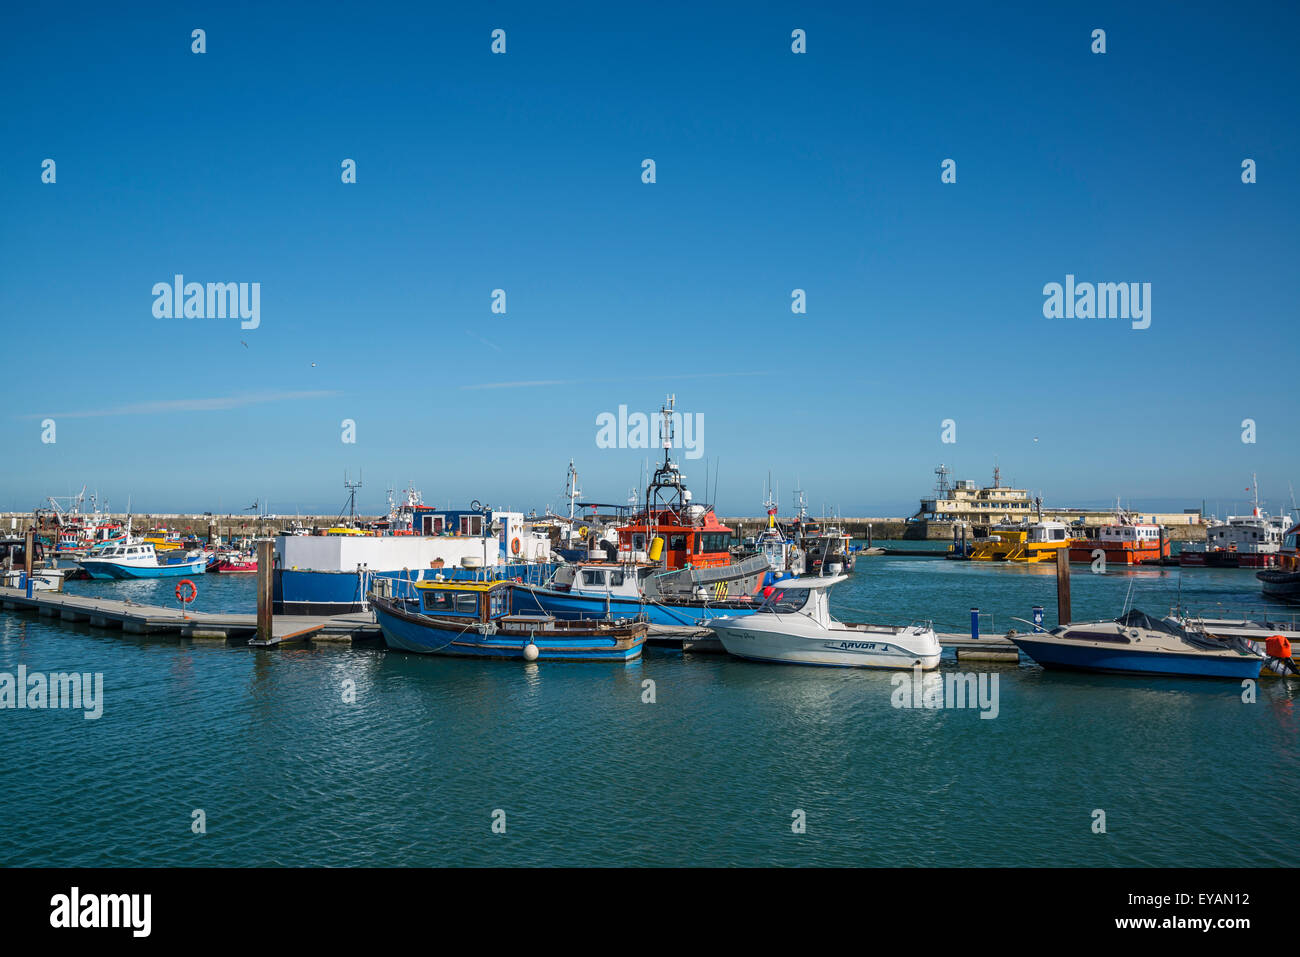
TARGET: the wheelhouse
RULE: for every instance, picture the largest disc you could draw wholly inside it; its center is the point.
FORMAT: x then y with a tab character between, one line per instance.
472	601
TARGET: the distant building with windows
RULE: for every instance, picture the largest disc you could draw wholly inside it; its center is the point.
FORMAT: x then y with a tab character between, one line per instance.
966	501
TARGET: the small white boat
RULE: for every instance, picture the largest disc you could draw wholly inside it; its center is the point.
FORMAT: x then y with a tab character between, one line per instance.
794	626
43	579
140	560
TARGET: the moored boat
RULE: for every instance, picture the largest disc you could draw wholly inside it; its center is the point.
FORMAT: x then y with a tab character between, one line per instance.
1124	543
235	563
1283	582
1028	542
477	620
140	560
794	626
1136	643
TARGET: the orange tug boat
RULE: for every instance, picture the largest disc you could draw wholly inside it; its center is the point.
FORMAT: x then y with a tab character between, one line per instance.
1123	544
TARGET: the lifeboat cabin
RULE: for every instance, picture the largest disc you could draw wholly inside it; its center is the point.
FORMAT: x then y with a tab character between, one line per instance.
677	539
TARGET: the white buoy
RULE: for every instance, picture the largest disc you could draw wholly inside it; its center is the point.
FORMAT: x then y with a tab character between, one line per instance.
530	652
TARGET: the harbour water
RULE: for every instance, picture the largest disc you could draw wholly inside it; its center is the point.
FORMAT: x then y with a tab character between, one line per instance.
586	771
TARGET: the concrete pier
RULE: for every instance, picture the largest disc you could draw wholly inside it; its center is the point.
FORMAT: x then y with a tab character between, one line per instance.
153	620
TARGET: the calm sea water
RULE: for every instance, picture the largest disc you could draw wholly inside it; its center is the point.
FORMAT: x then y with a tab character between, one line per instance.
585	772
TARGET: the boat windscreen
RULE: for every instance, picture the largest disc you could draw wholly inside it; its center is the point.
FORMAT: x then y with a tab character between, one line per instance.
1140	619
785	601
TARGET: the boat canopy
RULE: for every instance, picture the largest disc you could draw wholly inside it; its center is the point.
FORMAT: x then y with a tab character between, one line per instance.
812	581
1140	619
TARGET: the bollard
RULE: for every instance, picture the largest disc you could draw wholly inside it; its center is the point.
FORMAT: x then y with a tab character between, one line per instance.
1063	586
1038	617
975	623
265	562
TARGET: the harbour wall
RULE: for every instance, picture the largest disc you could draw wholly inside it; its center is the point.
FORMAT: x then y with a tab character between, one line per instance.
252	526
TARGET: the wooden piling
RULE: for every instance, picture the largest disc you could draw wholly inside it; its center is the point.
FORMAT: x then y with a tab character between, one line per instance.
29	547
1063	586
265	559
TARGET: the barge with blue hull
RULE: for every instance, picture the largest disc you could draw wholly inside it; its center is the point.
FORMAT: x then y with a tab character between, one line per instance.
478	620
331	574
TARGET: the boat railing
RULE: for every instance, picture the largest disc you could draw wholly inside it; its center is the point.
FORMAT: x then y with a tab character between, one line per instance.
1290	621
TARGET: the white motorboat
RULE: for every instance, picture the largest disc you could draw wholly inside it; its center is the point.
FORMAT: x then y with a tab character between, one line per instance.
140	560
794	626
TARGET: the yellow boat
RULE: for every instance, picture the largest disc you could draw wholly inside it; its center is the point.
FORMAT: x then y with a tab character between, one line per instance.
1029	542
162	540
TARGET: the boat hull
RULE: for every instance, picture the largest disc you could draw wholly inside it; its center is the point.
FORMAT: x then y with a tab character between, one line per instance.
835	648
127	572
658	614
1280	585
1118	553
406	632
1079	657
320	592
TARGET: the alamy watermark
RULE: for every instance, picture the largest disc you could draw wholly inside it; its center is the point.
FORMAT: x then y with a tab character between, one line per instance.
57	690
952	689
179	299
1103	300
624	431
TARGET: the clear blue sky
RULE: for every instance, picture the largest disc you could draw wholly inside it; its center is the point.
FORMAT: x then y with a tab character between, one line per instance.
775	171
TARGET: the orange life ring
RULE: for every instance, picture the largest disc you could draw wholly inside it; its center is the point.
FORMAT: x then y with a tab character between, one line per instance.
181	594
514	545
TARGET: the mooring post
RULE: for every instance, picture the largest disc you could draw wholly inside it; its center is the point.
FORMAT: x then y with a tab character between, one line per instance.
975	623
29	547
1063	586
265	558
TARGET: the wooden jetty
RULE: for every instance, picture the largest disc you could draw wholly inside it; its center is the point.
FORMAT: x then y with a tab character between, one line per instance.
139	619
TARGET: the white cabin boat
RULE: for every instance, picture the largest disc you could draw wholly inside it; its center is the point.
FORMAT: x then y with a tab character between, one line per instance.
794	626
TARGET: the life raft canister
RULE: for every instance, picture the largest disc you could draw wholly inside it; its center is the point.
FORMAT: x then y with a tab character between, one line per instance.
1278	646
514	545
186	595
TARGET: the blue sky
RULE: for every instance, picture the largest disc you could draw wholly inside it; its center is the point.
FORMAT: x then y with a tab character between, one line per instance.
522	171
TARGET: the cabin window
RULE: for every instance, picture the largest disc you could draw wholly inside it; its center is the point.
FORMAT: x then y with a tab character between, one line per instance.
638	542
1098	636
785	601
677	543
593	576
715	541
497	602
441	602
616	578
471	524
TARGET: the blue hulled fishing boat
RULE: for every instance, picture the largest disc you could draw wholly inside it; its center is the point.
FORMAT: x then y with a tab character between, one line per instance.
140	560
477	620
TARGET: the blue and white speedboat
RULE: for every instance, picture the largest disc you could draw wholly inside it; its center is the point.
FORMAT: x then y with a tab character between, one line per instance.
478	620
1136	643
139	560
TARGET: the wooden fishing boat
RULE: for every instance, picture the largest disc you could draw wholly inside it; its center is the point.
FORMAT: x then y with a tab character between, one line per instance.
476	620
